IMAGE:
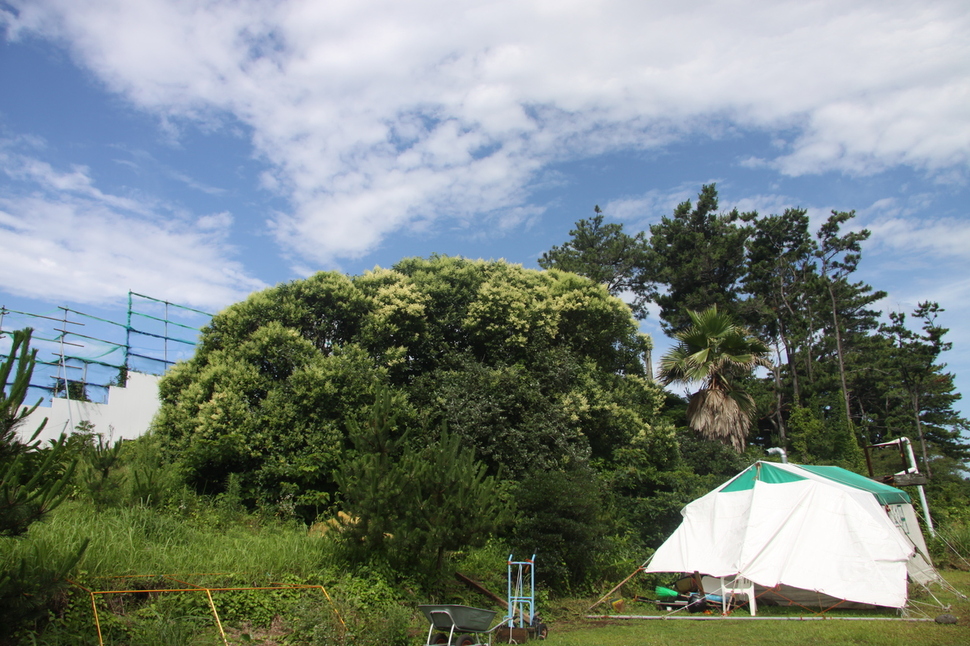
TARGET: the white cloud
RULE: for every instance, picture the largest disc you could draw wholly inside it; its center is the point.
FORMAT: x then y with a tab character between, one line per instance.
649	207
937	239
376	114
64	239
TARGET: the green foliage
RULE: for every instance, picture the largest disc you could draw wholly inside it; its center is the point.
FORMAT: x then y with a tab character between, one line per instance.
715	351
13	391
150	481
33	482
375	610
270	409
70	389
920	406
32	577
603	253
648	494
795	289
563	518
698	256
817	438
499	410
246	551
953	543
709	459
98	472
523	366
408	506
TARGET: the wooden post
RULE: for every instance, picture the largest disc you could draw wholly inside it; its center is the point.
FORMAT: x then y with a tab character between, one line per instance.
475	585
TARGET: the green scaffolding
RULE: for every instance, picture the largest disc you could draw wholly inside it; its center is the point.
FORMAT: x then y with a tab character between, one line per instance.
65	369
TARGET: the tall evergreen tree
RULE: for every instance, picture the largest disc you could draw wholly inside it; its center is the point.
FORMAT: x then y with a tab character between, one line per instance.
780	255
922	385
698	259
796	290
839	257
607	255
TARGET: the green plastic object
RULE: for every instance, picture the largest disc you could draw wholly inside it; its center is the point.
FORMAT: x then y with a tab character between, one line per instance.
665	593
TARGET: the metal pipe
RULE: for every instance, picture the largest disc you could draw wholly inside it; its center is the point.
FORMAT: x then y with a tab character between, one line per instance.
914	469
775	450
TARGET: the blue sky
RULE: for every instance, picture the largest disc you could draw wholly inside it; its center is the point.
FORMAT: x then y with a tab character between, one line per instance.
197	151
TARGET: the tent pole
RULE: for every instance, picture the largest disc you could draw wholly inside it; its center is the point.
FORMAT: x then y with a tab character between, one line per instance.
913	469
620	585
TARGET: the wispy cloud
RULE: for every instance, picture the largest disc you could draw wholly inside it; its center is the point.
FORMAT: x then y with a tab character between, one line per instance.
64	239
649	207
374	114
937	239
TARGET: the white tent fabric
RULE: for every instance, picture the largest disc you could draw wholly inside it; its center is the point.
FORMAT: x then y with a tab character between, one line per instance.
809	532
920	566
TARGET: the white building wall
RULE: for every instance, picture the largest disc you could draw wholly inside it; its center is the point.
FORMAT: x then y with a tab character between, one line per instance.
128	413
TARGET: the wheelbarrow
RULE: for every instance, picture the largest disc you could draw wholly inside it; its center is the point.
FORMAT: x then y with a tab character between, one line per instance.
457	625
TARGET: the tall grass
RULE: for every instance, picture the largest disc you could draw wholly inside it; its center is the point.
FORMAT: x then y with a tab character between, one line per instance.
954	540
139	548
138	540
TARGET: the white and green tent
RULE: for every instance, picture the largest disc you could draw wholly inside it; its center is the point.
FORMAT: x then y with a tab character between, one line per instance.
817	535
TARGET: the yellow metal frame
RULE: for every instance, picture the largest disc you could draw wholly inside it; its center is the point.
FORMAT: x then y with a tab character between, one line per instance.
196	588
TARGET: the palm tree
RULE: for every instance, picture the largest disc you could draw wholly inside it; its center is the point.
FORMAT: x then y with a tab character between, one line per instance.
714	351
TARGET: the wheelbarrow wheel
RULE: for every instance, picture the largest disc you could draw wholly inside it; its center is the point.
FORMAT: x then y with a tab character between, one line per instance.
439	638
463	640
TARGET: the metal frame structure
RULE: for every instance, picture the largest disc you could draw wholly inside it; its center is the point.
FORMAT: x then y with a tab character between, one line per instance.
521	592
63	369
187	587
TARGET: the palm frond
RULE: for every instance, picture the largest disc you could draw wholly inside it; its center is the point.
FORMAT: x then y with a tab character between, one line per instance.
712	351
722	416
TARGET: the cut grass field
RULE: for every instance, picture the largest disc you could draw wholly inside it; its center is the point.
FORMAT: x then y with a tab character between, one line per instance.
575	630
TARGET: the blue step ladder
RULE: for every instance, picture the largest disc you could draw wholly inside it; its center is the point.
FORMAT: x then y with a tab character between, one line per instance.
521	593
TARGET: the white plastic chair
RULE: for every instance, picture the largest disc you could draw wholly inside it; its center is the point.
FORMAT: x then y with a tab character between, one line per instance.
730	587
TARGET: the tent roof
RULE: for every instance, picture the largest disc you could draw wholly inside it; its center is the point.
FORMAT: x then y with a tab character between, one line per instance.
774	473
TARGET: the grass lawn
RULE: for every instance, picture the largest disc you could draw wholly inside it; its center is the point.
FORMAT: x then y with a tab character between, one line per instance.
575	630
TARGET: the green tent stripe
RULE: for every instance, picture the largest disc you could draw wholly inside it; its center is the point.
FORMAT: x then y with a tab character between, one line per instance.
885	494
773	475
741	482
768	473
763	471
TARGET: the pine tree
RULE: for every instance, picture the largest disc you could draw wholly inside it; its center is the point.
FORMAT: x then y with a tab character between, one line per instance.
607	255
410	505
698	256
33	481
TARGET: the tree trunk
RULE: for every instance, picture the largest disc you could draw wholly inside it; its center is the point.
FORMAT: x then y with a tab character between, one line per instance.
789	354
838	351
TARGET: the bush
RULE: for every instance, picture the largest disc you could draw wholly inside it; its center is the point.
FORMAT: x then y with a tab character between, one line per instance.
32	582
563	519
